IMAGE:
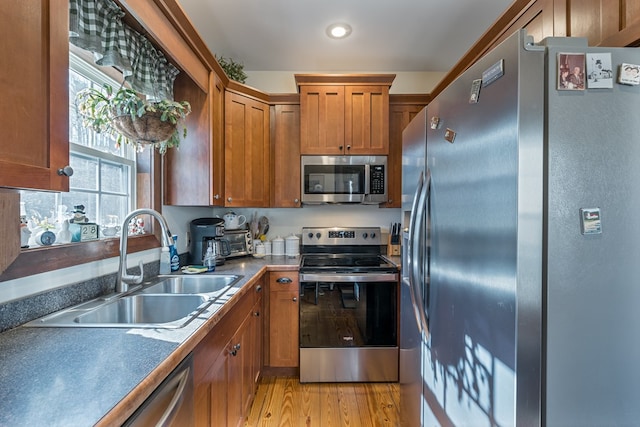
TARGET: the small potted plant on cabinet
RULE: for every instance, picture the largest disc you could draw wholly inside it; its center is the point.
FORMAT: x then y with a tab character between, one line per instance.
133	119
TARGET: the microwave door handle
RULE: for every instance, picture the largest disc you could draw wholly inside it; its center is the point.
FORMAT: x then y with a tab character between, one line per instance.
367	180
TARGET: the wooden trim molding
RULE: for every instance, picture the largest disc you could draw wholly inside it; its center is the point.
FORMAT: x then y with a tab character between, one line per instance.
9	227
284	98
344	79
43	259
409	98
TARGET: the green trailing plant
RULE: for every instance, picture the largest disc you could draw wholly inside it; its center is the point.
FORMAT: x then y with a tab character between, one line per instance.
233	70
131	118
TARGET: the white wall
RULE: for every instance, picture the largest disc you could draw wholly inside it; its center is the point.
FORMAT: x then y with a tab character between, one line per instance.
284	81
283	222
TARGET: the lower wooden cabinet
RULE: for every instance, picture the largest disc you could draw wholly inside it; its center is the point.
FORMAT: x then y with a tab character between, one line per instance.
227	364
284	295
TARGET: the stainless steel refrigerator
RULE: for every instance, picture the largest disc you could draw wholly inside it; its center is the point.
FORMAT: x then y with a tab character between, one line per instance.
520	293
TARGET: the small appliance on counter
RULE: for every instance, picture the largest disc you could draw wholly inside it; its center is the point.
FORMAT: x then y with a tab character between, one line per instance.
202	231
239	242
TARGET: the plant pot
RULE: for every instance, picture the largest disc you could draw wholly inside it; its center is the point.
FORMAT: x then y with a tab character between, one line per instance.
148	129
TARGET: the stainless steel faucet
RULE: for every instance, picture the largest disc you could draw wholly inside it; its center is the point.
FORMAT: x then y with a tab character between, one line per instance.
124	280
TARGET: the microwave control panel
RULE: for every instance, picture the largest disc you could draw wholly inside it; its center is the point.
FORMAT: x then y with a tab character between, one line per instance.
377	179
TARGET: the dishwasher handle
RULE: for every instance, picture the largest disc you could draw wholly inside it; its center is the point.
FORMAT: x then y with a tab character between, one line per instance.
178	397
171	403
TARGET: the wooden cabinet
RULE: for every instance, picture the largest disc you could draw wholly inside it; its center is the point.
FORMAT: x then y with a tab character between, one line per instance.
284	294
344	114
322	120
227	364
247	157
285	130
402	110
34	82
366	120
190	167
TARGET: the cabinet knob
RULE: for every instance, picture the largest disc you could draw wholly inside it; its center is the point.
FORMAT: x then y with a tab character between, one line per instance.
236	347
348	147
217	197
296	201
256	314
259	288
65	171
284	280
295	299
340	147
229	199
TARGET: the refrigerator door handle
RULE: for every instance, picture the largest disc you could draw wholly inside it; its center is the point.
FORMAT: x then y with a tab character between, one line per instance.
411	259
415	261
420	245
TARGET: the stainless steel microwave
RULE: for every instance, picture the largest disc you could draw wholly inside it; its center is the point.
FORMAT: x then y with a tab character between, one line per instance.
344	179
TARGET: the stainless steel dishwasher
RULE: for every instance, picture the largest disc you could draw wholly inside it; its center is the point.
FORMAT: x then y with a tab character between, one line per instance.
171	404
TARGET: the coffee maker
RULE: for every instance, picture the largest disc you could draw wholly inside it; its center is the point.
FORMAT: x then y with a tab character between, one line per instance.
204	230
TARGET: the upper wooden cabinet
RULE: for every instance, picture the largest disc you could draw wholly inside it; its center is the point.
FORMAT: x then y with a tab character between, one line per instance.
247	156
34	82
344	114
366	119
402	110
322	120
285	131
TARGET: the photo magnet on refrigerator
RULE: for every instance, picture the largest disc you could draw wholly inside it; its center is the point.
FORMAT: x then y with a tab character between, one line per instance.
629	74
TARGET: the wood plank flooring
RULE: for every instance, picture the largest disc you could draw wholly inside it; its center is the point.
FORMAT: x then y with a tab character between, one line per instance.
285	402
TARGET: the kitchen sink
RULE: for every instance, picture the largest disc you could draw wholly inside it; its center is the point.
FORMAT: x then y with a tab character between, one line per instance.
146	309
167	302
211	285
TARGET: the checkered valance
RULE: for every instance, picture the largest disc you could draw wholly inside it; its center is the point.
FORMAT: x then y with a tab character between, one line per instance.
97	26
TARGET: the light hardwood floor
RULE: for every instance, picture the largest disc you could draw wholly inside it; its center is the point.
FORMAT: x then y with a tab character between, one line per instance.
284	402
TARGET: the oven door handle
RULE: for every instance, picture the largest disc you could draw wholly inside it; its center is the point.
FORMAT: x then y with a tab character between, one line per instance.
342	277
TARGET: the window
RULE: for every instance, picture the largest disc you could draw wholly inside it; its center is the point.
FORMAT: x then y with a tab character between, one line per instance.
103	181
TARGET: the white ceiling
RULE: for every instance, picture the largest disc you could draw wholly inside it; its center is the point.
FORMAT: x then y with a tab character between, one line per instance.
388	35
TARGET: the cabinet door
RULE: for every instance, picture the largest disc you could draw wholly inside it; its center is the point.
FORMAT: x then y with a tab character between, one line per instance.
189	166
366	120
219	397
399	118
283	319
322	120
216	93
246	152
34	82
286	158
239	373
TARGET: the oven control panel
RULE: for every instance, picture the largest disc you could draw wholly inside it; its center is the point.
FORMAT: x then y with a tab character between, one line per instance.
333	236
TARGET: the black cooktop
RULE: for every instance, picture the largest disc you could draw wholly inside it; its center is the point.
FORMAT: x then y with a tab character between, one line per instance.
345	262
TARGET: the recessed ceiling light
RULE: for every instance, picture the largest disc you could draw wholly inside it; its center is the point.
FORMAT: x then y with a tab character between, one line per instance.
338	31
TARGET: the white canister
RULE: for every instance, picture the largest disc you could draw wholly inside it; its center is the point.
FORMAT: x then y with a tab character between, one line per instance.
277	246
267	247
292	245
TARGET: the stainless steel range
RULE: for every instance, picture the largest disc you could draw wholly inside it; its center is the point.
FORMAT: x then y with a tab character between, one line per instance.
348	307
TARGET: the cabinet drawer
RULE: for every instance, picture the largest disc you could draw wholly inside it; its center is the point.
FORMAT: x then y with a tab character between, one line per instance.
283	280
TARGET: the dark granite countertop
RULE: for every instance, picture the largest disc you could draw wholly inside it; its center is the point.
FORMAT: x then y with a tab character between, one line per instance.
99	376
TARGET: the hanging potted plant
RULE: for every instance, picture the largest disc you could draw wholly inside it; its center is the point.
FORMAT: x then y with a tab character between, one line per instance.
133	119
